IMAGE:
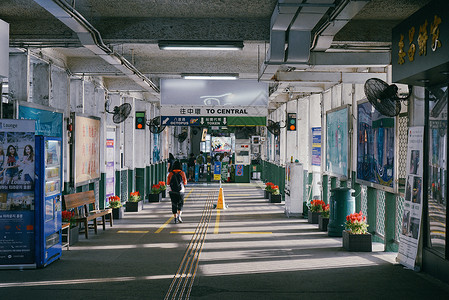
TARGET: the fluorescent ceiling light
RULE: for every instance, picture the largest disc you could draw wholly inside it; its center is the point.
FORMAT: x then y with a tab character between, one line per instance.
211	76
200	45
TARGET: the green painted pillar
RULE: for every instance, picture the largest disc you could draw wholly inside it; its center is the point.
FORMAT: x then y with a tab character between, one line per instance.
333	182
358	193
147	180
325	187
140	182
131	180
372	209
390	222
118	187
102	192
309	184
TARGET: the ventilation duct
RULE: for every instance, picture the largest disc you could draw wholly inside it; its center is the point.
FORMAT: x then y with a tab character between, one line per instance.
295	21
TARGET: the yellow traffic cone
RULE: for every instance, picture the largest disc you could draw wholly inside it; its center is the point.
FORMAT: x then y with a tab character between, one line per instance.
221	201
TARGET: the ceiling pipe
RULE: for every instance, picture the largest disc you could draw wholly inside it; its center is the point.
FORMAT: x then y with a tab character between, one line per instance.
91	39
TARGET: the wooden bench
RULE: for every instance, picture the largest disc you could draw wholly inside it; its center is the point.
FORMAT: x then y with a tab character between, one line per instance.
80	203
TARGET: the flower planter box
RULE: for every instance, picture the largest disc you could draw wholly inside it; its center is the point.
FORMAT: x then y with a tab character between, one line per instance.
73	236
312	217
155	197
275	198
266	194
134	206
357	242
322	223
117	213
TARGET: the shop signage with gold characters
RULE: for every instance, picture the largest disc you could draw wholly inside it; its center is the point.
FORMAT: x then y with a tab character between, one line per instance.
419	45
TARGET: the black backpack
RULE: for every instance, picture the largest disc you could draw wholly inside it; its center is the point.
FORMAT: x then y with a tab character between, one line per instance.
176	182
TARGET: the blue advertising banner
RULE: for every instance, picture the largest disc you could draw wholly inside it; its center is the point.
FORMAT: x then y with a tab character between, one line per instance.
48	123
316	146
17	200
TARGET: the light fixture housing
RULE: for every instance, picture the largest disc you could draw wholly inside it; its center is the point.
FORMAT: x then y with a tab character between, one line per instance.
211	76
201	45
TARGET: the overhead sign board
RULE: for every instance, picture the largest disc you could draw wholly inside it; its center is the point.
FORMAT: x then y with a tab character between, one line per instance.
242	92
214	111
212	121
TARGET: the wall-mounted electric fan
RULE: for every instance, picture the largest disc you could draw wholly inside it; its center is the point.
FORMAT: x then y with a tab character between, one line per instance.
120	113
274	127
155	125
384	97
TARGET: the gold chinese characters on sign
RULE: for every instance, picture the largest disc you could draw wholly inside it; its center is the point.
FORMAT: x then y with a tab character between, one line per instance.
422	40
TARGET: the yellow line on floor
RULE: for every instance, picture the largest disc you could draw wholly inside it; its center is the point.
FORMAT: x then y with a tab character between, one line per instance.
182	232
171	218
133	231
251	232
217	222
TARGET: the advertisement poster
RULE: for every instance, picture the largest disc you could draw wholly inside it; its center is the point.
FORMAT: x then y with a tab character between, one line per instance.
87	147
375	147
48	123
110	172
156	148
17	176
337	141
411	218
316	146
221	144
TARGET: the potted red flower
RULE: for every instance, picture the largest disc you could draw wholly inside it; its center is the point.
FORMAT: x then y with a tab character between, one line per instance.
268	189
134	203
117	207
315	209
275	196
163	188
356	236
73	235
323	218
155	194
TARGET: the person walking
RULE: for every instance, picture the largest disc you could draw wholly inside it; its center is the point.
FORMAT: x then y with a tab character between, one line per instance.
191	165
177	180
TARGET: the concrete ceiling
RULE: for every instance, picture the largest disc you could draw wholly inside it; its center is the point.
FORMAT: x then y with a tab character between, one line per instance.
129	31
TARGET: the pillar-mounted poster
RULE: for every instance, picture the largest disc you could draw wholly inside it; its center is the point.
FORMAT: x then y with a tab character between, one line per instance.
337	142
375	148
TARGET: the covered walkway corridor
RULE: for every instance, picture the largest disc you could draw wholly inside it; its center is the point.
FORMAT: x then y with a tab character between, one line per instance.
250	250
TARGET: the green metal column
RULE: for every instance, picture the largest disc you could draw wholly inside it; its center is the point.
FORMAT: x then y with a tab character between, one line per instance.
140	182
390	222
357	192
118	191
147	180
372	209
325	188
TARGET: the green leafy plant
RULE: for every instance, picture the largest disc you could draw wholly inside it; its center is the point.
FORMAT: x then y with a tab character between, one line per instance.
134	196
114	202
162	185
316	205
356	223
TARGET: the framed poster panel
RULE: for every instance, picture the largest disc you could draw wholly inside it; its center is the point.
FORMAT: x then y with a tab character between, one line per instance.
85	149
376	142
337	142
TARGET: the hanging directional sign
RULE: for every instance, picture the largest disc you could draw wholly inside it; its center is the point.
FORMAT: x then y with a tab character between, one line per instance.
180	121
213	121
